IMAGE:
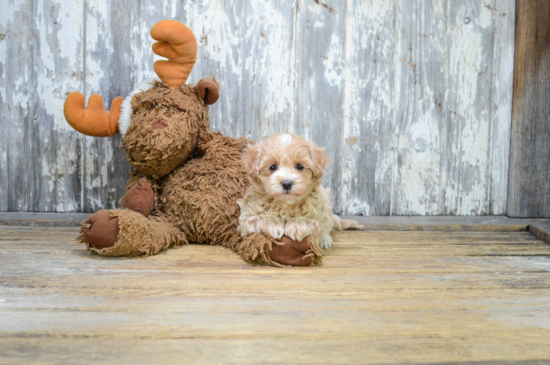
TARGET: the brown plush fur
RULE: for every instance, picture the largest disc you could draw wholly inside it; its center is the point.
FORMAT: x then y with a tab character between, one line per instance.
138	235
156	152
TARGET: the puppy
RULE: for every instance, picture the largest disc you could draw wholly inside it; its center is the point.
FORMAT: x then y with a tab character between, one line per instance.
286	196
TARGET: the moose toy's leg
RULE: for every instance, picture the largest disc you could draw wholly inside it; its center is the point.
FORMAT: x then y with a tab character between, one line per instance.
260	248
123	232
129	232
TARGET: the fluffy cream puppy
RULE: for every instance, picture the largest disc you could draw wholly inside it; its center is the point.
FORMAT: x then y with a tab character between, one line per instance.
286	196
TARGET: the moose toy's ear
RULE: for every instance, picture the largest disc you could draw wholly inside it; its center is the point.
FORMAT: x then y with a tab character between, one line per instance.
208	90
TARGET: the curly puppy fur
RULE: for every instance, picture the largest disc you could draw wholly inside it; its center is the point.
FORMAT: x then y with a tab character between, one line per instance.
286	196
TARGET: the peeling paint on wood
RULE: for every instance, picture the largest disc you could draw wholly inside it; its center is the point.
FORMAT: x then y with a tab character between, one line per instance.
40	62
454	107
411	98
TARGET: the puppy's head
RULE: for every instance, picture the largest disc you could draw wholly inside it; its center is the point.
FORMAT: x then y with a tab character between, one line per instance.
285	165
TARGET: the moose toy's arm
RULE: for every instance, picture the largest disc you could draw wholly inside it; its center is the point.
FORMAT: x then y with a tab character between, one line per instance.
140	195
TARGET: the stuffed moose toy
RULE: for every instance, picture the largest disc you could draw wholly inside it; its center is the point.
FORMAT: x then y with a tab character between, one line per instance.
186	179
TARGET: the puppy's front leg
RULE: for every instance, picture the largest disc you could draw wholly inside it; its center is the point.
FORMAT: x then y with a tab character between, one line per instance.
249	225
298	229
273	227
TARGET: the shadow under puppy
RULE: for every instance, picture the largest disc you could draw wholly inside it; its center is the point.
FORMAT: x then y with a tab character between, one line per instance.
286	197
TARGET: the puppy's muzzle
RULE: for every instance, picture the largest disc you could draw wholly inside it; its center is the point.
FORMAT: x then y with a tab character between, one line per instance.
287	184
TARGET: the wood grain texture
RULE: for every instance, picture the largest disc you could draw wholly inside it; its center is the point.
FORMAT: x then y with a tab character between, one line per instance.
453	121
250	48
444	223
40	62
411	98
529	184
541	230
371	223
378	298
43	219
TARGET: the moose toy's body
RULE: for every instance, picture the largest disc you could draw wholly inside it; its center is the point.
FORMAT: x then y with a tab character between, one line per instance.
186	179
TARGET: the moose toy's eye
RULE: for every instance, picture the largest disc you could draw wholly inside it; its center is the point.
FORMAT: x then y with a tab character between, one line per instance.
273	167
299	167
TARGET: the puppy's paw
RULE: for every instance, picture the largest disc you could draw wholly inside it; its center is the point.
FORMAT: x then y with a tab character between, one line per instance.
273	228
325	242
250	226
298	230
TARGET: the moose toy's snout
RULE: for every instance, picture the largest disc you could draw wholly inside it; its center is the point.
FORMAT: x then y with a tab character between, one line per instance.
158	124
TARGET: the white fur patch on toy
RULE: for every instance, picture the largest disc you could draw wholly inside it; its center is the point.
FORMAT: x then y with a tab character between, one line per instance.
126	109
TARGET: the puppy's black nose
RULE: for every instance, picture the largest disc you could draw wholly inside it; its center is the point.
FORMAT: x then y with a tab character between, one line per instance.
287	184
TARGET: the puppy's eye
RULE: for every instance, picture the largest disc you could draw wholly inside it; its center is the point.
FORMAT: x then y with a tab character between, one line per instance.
273	167
299	167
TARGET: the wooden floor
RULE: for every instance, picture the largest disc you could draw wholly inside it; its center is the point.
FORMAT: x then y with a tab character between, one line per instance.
380	297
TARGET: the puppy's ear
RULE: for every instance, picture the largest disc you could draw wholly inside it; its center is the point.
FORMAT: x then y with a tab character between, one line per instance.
320	160
251	161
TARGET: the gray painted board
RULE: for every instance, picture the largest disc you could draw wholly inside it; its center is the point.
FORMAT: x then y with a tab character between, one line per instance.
411	98
453	123
40	62
529	184
541	230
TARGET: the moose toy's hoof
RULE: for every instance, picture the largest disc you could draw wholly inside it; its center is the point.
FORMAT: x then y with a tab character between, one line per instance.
290	252
101	230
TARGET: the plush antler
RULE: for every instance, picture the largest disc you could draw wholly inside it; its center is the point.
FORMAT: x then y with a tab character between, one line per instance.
177	43
92	120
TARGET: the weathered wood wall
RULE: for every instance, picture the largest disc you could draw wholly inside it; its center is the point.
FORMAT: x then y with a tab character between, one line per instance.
529	184
412	98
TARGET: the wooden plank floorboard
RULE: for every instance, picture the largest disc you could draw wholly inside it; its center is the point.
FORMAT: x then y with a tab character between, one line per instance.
444	223
379	297
541	230
371	223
